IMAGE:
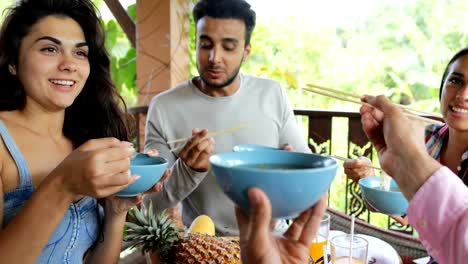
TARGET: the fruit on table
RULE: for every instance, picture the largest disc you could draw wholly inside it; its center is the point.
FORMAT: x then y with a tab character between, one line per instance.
203	225
159	235
202	248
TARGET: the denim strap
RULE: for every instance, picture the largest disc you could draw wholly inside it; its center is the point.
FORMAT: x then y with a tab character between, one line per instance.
23	169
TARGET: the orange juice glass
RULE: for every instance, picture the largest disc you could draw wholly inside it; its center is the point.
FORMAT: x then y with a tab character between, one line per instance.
321	241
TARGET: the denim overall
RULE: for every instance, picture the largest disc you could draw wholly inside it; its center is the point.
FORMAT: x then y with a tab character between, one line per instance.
76	232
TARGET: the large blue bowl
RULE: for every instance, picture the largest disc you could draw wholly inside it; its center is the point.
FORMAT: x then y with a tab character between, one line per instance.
150	170
391	202
291	190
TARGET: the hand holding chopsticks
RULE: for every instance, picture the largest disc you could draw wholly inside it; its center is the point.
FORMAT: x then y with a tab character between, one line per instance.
211	134
346	159
348	97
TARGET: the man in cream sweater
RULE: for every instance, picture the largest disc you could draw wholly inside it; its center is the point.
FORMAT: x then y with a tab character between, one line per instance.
219	98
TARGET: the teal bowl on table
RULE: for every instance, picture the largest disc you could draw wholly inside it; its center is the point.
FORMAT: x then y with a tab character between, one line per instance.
391	202
292	181
252	147
150	170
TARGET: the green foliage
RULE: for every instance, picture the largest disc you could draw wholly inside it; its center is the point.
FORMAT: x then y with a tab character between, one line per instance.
123	59
192	47
402	58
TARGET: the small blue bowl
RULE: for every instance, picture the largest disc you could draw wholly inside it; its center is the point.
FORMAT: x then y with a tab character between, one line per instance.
150	170
293	181
391	202
252	147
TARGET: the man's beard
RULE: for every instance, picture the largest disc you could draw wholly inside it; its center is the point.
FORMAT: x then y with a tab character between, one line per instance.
224	84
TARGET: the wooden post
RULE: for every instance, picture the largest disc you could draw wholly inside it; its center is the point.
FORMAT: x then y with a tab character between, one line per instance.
162	46
162	53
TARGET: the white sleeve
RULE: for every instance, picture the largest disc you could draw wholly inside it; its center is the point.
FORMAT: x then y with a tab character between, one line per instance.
183	180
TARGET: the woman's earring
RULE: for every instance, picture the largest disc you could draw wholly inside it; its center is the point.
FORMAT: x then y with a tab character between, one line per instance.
12	69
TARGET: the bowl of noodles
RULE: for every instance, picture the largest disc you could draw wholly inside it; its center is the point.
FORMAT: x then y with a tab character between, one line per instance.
293	181
386	200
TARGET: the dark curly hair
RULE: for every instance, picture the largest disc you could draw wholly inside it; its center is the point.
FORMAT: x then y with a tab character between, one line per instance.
98	111
455	57
237	9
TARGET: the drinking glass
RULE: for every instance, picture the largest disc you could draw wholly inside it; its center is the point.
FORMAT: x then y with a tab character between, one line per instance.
321	240
341	253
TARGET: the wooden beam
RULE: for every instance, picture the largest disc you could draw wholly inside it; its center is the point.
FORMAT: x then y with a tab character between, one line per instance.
162	46
124	20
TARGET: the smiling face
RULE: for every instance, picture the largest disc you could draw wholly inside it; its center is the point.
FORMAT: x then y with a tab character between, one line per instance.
220	50
454	103
53	63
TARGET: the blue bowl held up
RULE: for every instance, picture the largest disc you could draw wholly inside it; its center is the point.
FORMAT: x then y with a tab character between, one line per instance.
150	170
391	202
293	181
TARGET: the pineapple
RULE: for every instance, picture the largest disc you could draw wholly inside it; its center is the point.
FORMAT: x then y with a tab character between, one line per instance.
158	234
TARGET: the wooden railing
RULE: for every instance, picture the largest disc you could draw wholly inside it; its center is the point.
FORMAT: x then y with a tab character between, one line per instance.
320	139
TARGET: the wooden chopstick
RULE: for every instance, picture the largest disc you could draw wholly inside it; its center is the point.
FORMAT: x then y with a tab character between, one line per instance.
407	112
346	159
212	134
359	97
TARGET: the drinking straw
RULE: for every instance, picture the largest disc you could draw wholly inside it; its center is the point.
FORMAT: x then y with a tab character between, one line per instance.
325	255
351	240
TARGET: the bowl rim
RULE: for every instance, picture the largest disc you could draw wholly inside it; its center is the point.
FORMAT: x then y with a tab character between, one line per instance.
261	147
363	186
164	161
288	171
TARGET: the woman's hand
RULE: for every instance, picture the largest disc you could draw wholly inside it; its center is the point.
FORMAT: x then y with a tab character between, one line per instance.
258	245
357	169
98	168
120	205
399	142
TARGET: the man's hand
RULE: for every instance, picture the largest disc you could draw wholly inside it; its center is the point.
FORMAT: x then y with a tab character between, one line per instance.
287	147
259	246
197	151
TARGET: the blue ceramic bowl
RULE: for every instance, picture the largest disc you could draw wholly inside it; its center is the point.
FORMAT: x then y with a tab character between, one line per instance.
150	170
252	147
391	202
293	181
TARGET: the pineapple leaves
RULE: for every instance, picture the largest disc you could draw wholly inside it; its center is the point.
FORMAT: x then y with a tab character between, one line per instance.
148	232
